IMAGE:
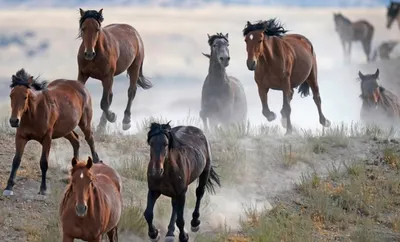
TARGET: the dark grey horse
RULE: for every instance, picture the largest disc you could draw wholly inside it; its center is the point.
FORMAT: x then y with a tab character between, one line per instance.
349	32
223	100
392	14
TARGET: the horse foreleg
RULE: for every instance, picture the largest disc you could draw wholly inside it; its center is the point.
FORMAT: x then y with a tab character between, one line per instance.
203	178
82	77
287	97
263	93
149	215
20	144
180	221
203	117
66	238
46	144
133	72
170	237
106	99
284	120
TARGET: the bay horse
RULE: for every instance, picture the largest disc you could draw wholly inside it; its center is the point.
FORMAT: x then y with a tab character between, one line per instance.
223	99
44	112
377	101
178	156
392	14
349	32
283	62
106	52
92	202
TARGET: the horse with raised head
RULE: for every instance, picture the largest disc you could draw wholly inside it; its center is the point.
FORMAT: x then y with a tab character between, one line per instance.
392	14
223	99
106	52
378	103
178	156
283	62
349	32
92	202
44	112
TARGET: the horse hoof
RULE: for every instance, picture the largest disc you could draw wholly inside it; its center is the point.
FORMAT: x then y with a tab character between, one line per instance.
195	229
327	123
169	238
271	116
112	117
126	126
284	122
42	192
8	193
156	239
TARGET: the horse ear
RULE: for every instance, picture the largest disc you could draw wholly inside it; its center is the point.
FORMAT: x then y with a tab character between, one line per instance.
101	11
376	75
81	12
89	163
74	162
360	75
227	35
206	55
208	36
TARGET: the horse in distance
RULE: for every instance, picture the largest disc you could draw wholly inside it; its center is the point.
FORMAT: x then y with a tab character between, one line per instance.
283	62
106	52
378	103
223	99
92	202
392	14
384	50
348	31
42	112
178	156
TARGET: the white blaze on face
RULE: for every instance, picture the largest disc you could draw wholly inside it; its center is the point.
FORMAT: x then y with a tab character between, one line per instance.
81	176
251	36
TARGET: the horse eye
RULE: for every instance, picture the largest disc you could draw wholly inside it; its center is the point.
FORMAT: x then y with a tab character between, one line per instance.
214	46
25	98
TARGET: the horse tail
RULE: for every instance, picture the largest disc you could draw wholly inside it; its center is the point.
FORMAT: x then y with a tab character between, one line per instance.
143	82
304	89
213	178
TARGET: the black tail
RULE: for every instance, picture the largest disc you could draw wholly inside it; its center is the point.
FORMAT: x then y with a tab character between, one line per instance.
304	89
212	180
143	82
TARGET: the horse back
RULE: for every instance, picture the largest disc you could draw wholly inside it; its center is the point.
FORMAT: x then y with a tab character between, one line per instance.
362	29
70	88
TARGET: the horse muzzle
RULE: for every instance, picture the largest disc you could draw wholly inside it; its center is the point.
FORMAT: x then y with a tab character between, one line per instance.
90	55
251	65
14	122
81	210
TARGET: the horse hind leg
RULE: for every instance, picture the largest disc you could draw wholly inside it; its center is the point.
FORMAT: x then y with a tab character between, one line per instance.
200	190
113	234
170	237
367	48
133	73
73	138
85	126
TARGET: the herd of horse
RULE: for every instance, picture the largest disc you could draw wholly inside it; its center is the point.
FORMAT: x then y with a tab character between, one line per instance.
92	202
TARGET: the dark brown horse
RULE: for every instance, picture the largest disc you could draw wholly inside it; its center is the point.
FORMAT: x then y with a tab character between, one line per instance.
392	14
223	100
178	156
281	62
92	203
377	101
106	52
44	112
349	32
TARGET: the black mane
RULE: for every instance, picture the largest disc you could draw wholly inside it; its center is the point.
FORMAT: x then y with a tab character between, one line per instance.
91	14
393	9
270	27
343	18
216	36
21	78
157	129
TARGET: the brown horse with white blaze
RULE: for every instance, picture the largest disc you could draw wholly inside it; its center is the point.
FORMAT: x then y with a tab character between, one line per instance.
92	202
44	112
106	52
281	62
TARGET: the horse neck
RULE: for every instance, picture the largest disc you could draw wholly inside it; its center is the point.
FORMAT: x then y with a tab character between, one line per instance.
102	41
216	70
35	99
269	44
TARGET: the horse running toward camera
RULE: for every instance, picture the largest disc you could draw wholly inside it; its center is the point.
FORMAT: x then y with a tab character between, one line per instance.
44	112
92	203
178	156
106	52
349	32
223	99
281	62
378	103
392	14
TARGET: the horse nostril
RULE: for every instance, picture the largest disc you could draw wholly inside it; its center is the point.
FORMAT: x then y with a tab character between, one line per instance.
229	58
221	58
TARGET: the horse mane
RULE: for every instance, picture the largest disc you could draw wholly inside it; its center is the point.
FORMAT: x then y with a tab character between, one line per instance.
271	27
216	36
21	78
344	18
91	14
157	129
392	10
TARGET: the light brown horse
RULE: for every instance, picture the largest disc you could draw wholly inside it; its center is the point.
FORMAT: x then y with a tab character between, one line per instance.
106	52
281	62
44	112
92	203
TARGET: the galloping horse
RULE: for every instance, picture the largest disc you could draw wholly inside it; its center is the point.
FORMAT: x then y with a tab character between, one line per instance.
178	156
392	14
348	31
44	112
281	62
107	52
223	98
377	101
92	202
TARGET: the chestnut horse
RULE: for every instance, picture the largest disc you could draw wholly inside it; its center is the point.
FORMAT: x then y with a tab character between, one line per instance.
281	62
44	112
178	156
107	52
92	202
